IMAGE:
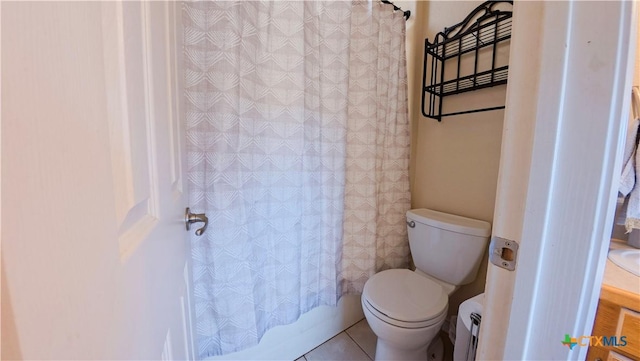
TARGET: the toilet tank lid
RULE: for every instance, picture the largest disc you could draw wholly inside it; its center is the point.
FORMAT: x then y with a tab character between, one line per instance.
450	222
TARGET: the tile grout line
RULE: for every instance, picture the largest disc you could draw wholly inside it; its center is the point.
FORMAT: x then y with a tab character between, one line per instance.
357	344
308	352
345	332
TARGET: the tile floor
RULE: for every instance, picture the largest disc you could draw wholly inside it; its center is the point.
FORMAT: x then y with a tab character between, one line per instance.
357	342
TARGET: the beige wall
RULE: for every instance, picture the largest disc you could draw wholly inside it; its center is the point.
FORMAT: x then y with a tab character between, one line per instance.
416	26
636	77
454	164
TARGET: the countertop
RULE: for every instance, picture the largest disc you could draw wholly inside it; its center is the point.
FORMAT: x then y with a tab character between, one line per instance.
615	276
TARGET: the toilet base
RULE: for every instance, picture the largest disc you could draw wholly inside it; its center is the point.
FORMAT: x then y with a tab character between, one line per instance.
386	352
431	352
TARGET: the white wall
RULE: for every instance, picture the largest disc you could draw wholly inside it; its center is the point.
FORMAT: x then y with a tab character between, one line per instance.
566	104
513	178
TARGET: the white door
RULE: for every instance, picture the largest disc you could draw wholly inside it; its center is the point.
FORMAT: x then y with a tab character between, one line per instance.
567	106
94	250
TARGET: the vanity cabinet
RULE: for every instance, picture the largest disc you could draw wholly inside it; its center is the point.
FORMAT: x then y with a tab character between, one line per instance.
618	314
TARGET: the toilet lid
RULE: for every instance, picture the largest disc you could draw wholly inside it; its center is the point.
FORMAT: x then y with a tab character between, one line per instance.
404	295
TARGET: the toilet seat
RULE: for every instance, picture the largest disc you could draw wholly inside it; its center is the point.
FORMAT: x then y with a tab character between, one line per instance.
405	299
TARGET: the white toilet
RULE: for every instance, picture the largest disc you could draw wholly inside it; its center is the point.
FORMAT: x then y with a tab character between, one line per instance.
406	309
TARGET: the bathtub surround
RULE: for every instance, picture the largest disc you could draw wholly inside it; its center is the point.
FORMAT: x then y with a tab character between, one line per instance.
298	151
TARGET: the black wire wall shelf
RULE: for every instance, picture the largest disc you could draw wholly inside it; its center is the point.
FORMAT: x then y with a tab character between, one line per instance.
479	34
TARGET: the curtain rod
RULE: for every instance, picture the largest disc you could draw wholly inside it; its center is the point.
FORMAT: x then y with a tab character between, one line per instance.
406	13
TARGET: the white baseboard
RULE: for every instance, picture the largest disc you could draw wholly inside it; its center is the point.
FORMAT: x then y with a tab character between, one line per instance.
289	342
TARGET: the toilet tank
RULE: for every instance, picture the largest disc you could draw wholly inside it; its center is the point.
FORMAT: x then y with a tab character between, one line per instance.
446	246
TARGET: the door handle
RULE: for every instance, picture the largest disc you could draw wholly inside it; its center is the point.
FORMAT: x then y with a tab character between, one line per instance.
190	218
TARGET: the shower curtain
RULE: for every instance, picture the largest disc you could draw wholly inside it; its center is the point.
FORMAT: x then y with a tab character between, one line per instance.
298	151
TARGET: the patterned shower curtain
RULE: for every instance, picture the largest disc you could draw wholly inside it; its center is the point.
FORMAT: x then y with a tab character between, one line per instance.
298	151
